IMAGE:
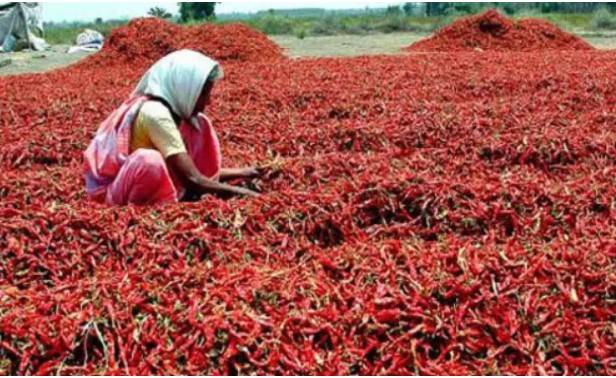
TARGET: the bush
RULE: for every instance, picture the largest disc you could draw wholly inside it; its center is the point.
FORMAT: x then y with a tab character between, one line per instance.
509	9
465	8
300	33
393	10
274	24
603	19
325	26
66	34
354	28
393	24
450	18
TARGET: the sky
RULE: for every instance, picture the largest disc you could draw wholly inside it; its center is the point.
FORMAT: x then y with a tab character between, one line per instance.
88	11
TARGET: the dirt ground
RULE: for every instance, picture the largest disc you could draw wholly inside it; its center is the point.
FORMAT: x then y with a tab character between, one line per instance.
346	45
339	45
37	61
603	40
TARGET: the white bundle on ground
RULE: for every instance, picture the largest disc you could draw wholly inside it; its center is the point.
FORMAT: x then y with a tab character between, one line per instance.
88	40
88	37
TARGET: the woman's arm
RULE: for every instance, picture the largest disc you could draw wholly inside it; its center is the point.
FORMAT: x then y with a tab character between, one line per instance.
186	171
227	174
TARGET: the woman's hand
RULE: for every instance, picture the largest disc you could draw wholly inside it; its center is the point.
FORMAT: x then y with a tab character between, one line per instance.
246	192
252	172
186	171
227	174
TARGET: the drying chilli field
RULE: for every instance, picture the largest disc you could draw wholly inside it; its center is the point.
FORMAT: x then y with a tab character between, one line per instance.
435	212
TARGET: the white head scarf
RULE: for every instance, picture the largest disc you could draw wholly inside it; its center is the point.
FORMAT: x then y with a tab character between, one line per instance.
178	78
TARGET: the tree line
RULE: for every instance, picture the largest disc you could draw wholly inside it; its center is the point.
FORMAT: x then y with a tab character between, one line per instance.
207	10
442	8
188	11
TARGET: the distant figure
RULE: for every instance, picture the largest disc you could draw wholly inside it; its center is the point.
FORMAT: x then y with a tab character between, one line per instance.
158	146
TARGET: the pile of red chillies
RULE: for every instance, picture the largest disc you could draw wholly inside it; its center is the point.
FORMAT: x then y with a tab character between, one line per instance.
145	40
450	213
491	31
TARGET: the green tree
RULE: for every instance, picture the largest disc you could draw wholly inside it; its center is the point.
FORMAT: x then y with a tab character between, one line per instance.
197	11
159	12
393	9
408	8
549	7
436	9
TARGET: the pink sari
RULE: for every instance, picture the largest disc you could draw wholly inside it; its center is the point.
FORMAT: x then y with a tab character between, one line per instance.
118	176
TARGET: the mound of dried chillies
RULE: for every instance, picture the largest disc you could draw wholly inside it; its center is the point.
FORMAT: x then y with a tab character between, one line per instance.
492	31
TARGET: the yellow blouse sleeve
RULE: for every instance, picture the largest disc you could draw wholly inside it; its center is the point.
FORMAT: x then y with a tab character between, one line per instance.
162	131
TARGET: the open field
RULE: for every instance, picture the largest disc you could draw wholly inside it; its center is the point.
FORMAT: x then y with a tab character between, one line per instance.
334	46
346	45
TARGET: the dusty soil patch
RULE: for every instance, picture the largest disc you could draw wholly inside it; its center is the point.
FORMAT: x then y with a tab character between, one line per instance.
346	45
38	61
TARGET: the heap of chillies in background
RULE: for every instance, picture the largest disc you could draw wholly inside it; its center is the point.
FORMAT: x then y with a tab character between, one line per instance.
492	31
